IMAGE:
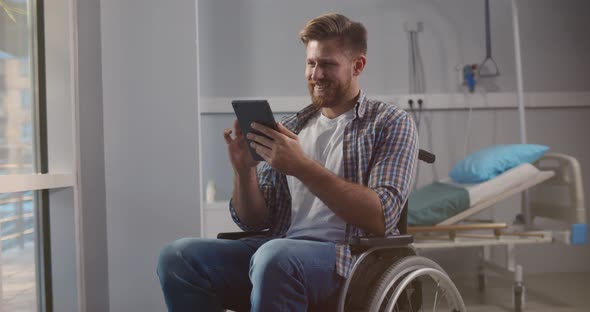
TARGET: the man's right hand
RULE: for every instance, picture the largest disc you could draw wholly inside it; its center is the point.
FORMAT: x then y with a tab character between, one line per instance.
238	151
247	197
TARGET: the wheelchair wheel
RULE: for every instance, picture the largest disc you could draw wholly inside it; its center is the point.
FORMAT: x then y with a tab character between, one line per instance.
415	284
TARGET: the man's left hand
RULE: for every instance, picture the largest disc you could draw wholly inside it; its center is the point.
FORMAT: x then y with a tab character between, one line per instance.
282	151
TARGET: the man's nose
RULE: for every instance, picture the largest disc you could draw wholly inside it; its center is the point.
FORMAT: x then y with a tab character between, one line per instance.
317	73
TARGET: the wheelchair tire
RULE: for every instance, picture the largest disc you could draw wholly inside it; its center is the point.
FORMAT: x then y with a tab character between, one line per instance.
405	272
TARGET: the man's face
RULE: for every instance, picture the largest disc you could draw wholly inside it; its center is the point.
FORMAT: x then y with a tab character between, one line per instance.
329	72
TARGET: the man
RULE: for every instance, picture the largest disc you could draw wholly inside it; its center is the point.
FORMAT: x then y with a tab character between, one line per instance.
341	167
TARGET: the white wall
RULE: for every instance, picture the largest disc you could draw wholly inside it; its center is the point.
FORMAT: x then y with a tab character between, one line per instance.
251	47
259	38
555	45
149	76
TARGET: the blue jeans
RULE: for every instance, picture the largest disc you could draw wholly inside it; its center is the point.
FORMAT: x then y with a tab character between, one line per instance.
250	274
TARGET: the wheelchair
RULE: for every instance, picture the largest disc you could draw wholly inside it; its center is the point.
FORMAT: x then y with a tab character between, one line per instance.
388	275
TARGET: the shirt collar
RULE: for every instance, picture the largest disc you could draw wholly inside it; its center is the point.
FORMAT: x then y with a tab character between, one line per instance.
303	115
361	105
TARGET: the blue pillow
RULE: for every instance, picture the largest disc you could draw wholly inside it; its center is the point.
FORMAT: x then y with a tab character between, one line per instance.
490	162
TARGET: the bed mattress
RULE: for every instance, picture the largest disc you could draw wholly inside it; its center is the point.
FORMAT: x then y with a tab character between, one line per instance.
480	192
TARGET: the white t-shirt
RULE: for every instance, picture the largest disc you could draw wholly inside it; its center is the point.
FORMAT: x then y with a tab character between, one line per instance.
321	139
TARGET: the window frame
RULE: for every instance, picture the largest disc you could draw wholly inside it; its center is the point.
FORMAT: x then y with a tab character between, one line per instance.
52	171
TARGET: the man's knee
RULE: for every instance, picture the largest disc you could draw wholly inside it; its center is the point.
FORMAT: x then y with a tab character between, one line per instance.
171	258
272	258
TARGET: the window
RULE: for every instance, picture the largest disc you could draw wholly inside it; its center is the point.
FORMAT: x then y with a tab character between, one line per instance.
22	285
38	156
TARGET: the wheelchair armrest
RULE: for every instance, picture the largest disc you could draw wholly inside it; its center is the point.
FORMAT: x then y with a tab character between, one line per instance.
364	243
238	235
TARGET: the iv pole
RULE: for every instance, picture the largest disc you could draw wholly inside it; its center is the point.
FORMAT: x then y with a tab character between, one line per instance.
520	92
526	212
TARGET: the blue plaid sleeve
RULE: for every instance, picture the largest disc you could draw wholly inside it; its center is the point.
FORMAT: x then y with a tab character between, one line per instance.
277	198
395	158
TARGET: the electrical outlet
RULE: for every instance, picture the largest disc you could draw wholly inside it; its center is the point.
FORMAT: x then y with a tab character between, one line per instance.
407	102
412	101
421	101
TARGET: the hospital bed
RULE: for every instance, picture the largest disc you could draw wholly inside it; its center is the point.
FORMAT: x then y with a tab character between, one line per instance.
554	187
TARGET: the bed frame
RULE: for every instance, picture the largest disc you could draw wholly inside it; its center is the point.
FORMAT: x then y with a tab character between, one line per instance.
557	193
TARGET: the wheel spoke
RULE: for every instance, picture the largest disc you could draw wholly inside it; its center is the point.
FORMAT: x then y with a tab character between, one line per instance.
443	293
409	297
436	297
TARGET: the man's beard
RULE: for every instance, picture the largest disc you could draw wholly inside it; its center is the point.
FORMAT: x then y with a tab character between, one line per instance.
334	93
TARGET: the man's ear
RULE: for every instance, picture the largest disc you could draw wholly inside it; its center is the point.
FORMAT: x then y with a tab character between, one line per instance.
359	65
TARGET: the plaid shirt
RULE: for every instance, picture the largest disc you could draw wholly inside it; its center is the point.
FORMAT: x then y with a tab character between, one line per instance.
380	151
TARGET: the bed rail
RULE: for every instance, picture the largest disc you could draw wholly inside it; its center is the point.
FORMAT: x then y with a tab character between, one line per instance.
561	197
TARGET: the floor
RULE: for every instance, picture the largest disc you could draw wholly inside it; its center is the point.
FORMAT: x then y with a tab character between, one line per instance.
566	292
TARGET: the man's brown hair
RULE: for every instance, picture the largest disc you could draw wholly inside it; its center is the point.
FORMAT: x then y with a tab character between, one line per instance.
353	35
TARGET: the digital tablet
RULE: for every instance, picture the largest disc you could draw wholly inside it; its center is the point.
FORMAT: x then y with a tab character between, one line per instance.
249	111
